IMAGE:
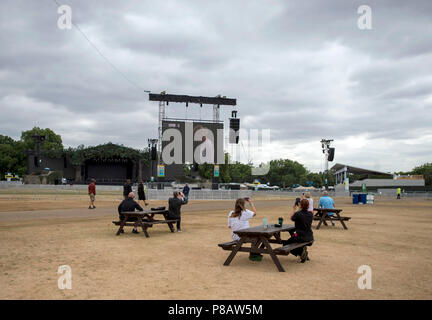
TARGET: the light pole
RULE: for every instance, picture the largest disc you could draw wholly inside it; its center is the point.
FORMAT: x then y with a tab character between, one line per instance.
325	145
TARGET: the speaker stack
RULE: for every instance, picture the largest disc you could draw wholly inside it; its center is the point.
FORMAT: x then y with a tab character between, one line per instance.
331	154
234	128
153	153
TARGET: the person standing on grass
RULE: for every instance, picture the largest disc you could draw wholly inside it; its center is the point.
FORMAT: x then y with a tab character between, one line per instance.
398	193
141	193
327	202
175	204
92	193
303	226
127	188
186	190
127	205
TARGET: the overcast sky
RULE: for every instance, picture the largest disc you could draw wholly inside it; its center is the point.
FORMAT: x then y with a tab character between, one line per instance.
303	69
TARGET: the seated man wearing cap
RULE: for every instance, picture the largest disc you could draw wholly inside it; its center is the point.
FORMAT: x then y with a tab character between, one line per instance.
127	205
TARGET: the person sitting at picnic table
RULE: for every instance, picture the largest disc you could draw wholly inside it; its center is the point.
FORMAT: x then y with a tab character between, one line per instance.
92	193
327	202
127	188
186	190
239	218
308	198
303	229
127	205
141	193
174	206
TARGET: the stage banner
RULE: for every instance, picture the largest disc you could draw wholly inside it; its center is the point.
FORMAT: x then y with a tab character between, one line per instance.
346	184
216	171
161	170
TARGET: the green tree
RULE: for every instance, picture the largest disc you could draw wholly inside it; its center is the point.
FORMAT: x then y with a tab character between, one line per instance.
205	171
52	146
285	172
12	156
426	171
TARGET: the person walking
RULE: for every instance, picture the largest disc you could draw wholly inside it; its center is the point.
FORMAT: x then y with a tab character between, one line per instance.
92	193
186	190
398	193
127	188
141	193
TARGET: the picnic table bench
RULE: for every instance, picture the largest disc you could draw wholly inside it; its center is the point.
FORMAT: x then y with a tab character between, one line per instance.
145	220
322	215
260	239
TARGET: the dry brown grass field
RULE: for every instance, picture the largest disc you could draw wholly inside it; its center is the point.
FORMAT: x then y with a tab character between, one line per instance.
39	234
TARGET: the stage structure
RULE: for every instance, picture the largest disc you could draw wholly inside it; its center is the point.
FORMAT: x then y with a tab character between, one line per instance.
164	99
182	124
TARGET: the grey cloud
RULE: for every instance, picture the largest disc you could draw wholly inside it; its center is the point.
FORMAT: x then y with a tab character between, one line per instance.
302	69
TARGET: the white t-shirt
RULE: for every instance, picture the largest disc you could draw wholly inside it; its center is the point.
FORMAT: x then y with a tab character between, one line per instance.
238	223
310	209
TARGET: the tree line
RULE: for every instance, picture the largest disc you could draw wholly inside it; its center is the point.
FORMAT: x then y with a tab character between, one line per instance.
282	172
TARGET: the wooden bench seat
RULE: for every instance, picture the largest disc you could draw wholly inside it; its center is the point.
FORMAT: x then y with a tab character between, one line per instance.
131	223
228	245
333	218
287	248
151	223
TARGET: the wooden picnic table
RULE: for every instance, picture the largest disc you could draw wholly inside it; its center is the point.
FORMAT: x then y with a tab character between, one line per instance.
145	220
260	239
322	214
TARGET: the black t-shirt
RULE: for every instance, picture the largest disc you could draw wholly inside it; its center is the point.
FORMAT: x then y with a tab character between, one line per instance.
127	188
128	205
303	224
174	207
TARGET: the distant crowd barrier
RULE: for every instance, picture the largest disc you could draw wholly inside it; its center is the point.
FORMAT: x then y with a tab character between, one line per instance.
154	194
58	192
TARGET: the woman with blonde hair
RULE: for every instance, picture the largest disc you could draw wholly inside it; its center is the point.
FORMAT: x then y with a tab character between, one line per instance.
239	218
310	200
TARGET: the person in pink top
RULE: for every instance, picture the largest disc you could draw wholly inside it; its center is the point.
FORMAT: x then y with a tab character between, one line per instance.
308	198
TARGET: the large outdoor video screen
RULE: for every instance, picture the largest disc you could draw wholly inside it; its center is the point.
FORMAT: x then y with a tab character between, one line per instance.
192	142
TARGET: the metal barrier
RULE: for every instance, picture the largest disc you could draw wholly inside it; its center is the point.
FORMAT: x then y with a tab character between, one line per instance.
153	194
61	192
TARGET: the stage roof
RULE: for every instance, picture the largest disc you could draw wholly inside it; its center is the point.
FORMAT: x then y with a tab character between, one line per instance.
355	170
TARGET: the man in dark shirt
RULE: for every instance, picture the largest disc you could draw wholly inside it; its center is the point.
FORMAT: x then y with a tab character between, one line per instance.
186	190
127	188
129	204
303	226
175	204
